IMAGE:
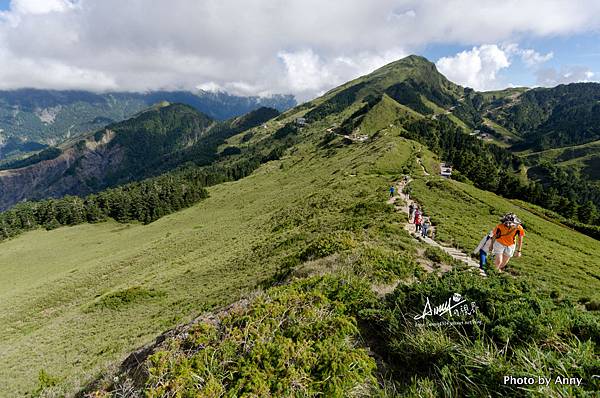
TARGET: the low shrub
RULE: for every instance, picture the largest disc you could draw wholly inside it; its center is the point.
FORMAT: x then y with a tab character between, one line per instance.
295	340
514	330
326	245
382	264
45	383
438	256
120	298
593	305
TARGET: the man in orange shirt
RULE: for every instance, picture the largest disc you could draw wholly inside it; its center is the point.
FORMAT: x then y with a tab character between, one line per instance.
504	237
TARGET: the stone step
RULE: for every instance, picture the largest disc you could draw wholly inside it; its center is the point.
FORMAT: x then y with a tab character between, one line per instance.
452	251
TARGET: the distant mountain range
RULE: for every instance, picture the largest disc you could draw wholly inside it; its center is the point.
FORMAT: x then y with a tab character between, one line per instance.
31	119
155	140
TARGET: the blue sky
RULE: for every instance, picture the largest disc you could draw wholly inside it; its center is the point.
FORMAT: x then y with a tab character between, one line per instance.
303	47
577	51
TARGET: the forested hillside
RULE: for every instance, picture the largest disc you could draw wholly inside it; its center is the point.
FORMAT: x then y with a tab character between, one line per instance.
552	117
155	141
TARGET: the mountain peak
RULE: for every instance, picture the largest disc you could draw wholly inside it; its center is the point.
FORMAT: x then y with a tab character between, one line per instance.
415	59
413	81
254	118
410	65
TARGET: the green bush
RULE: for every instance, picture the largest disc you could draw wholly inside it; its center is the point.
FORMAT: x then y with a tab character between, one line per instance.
522	332
383	264
593	305
45	382
326	245
296	340
121	298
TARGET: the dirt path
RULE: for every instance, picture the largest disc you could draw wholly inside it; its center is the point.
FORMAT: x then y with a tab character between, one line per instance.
410	228
423	167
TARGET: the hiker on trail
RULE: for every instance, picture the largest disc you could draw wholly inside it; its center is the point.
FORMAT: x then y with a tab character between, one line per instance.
391	191
425	226
484	248
405	179
508	234
418	220
411	212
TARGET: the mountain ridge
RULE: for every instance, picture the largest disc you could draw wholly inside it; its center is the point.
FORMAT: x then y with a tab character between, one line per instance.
368	105
49	117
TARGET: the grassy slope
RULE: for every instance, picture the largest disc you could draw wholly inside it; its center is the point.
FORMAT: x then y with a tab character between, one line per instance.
203	257
501	94
505	137
382	244
556	257
584	158
384	114
187	257
65	305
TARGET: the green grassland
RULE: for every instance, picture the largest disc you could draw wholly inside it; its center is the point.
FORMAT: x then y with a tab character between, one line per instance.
584	159
554	256
77	299
503	137
384	114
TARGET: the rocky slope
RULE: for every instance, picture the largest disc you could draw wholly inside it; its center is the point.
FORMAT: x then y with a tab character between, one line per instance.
75	172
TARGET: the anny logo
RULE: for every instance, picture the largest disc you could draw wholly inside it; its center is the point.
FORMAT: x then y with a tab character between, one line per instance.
454	306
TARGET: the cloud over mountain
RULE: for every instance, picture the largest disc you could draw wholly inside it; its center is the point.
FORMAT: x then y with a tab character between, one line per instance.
566	74
258	46
479	67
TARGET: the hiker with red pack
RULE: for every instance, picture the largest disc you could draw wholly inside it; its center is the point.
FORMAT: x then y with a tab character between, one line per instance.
418	220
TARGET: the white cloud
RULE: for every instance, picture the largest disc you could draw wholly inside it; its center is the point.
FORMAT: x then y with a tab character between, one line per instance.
261	46
529	56
477	68
27	72
533	58
305	70
550	77
40	6
308	73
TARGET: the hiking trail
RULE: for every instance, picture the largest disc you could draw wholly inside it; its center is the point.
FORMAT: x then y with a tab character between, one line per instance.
420	162
455	253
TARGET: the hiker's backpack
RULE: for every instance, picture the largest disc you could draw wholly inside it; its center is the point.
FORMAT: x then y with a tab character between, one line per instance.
485	241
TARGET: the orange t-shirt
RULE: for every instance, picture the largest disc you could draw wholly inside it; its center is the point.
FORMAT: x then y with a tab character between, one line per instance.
506	235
